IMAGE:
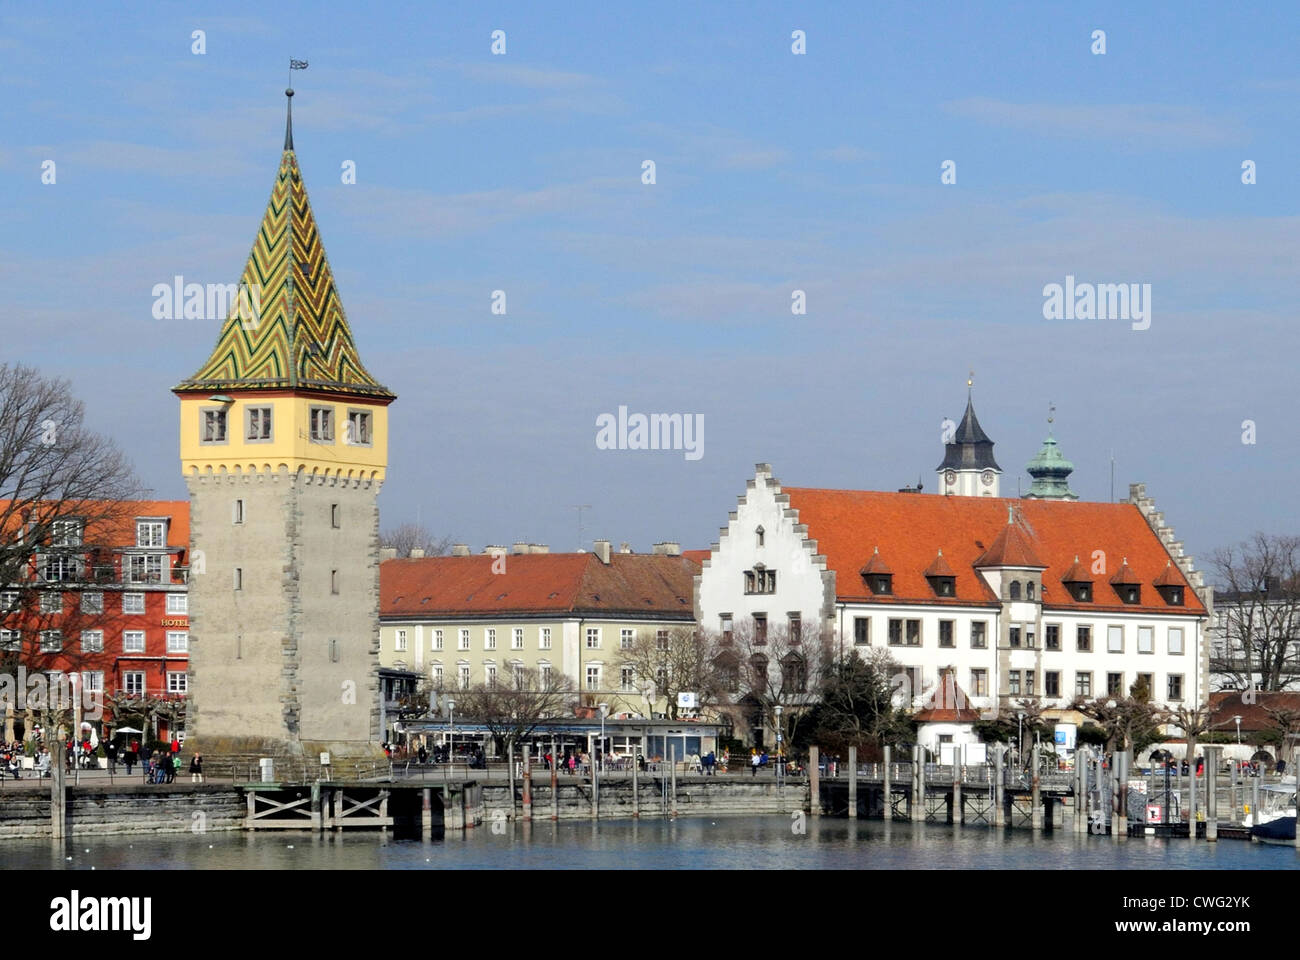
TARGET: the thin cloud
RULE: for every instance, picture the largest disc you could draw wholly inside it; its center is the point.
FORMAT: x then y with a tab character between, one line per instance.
1120	123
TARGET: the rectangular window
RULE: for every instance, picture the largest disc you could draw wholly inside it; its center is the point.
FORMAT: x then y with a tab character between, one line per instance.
92	601
1148	680
727	627
760	628
92	680
51	602
979	637
259	424
1114	639
145	568
60	568
544	643
178	641
239	578
913	633
334	649
1083	639
1030	686
237	511
1013	682
462	676
334	581
335	517
1175	686
979	682
150	533
895	632
133	641
593	678
213	426
1176	640
9	601
946	633
92	641
626	678
545	676
133	682
10	640
750	582
399	641
490	674
462	642
133	603
51	641
1146	640
178	603
593	638
65	533
437	676
517	638
358	428
1030	639
1052	639
322	424
437	639
861	631
178	682
1052	683
489	638
1013	633
1114	684
626	637
1083	684
795	627
661	641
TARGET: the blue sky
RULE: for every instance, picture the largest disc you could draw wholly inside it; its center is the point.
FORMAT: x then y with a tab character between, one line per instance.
775	172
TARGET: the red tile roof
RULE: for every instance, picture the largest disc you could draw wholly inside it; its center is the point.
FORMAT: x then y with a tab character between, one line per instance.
948	704
654	586
848	525
876	565
1078	573
1012	547
698	556
939	567
1225	704
113	523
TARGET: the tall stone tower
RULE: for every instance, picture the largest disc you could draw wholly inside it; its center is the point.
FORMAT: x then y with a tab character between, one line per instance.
284	444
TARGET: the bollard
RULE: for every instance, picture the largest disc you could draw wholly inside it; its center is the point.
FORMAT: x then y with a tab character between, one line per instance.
528	784
853	783
555	784
1036	796
1212	793
888	786
815	782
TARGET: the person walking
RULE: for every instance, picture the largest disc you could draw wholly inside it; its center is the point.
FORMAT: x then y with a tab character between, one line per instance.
753	761
110	752
196	768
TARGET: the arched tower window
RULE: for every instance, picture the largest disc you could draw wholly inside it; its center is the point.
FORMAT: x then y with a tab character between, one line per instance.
1014	592
758	535
1029	590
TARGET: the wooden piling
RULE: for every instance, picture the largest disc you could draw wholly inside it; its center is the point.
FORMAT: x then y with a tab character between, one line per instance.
889	785
528	785
426	814
1036	798
853	783
555	790
1212	793
815	781
999	804
636	786
672	771
58	795
920	782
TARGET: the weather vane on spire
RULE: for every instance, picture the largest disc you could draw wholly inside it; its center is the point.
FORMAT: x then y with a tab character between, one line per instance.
1051	412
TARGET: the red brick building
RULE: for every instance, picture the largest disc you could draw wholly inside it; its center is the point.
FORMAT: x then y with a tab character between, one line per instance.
102	606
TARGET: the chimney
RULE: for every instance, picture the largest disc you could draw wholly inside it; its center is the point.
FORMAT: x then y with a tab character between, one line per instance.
538	548
601	549
417	553
625	547
387	553
519	547
668	548
460	550
492	550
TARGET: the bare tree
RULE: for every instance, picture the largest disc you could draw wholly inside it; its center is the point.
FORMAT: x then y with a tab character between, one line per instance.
1192	720
1286	721
1126	721
513	707
63	494
761	668
669	660
408	536
1257	633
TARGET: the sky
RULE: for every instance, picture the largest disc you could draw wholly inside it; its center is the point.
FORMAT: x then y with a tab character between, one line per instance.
775	172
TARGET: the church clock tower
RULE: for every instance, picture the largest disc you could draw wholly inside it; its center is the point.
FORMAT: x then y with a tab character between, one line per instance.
968	468
284	445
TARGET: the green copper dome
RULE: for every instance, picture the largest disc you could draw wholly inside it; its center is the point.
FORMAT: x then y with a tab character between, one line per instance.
1051	473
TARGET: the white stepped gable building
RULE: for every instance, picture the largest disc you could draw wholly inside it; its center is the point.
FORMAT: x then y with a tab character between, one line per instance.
1050	598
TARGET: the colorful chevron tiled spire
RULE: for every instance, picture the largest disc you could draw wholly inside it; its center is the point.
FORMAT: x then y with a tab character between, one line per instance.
292	332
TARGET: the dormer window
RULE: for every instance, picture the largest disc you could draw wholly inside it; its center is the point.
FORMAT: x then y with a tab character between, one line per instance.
942	577
943	586
1131	593
1170	586
1126	584
882	585
877	575
1078	581
1082	592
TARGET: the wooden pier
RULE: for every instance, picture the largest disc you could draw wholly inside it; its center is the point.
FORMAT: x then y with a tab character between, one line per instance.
410	807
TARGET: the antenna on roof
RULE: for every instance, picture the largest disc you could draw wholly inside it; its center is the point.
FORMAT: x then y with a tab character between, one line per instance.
581	507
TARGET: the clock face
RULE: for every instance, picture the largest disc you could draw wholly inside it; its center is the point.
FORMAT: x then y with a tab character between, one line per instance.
987	477
950	477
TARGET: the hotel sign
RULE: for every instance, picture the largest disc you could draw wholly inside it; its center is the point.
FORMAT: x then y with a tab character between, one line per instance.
175	622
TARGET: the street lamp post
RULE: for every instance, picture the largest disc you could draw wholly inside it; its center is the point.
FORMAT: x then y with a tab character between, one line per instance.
1020	737
451	742
1237	718
780	754
599	760
604	712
